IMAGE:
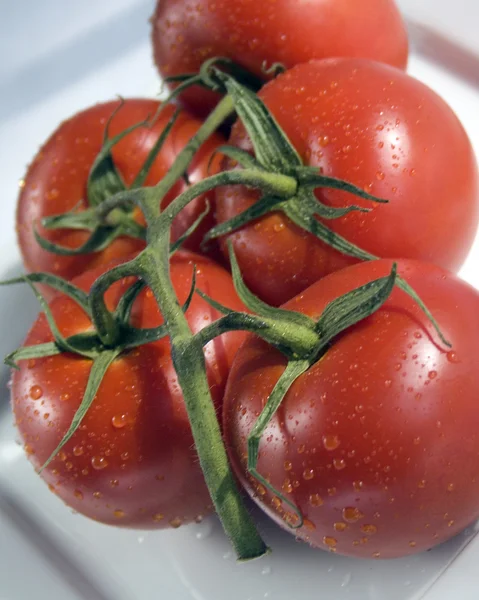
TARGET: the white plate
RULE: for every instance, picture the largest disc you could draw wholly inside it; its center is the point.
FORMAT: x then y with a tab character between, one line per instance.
56	59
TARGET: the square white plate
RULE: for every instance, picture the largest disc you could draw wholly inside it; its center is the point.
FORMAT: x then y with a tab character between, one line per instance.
56	59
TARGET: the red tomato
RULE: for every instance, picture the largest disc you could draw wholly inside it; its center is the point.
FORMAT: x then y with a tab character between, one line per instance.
377	444
383	131
132	463
187	32
56	180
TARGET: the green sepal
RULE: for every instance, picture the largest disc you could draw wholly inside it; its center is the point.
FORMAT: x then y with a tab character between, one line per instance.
99	367
104	179
257	306
57	283
150	159
61	341
293	370
272	148
354	306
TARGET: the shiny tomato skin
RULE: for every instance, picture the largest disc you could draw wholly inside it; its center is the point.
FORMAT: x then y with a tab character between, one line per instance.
383	131
57	178
378	442
132	463
187	32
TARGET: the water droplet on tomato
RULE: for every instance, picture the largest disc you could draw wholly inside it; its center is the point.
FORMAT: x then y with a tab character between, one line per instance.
369	529
451	487
329	541
29	450
125	456
339	464
358	485
288	465
376	554
308	474
99	463
65	397
316	500
36	392
432	374
340	527
78	494
175	523
380	176
331	442
119	421
119	514
452	357
114	483
352	514
287	487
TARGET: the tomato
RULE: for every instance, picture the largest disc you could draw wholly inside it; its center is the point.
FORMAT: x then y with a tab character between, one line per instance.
56	180
187	32
377	443
132	462
384	131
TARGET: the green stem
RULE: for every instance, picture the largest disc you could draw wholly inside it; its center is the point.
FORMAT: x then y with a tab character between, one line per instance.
186	350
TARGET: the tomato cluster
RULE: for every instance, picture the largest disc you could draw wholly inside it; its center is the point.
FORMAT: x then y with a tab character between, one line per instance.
373	449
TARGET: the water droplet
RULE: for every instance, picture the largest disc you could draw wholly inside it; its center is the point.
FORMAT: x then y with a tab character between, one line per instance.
450	523
119	421
29	450
308	474
36	392
422	484
323	141
278	227
175	523
329	541
352	514
287	487
331	442
340	527
358	485
158	517
316	500
266	571
369	529
339	464
451	487
376	555
125	456
413	544
301	449
288	465
380	176
204	531
452	357
97	495
99	463
65	397
78	494
388	383
332	491
119	514
432	374
114	483
346	580
309	524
